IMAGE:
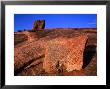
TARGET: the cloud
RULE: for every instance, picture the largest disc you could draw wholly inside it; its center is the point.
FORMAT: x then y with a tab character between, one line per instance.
92	23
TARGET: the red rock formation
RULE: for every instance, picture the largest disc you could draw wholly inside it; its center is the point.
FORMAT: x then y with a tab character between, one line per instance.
39	24
28	59
66	51
26	54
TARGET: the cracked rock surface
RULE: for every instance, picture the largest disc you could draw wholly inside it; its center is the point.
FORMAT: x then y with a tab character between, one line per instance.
66	52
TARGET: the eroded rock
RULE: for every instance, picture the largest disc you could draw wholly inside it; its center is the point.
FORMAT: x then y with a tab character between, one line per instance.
66	51
26	54
39	24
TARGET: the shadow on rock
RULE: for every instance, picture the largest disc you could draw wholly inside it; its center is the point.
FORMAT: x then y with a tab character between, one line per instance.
89	52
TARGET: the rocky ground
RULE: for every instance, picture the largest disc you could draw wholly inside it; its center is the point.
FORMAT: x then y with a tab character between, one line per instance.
29	52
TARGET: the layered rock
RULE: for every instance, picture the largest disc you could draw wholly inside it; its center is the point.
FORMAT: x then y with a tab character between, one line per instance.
26	54
65	51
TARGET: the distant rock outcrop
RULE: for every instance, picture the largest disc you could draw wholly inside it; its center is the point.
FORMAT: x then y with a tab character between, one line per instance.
65	51
39	24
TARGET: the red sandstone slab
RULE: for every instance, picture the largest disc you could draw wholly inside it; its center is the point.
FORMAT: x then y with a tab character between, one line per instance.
66	51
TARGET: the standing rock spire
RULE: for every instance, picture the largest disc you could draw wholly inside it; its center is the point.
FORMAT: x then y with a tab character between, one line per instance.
39	25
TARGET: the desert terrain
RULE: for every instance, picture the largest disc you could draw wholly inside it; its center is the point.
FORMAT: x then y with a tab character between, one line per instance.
29	51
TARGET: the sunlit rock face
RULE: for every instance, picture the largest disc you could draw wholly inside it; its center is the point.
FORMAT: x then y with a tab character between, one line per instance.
27	53
31	47
65	51
39	25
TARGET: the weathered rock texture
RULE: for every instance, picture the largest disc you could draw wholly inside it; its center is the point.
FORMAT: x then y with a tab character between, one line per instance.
29	51
27	54
39	24
64	51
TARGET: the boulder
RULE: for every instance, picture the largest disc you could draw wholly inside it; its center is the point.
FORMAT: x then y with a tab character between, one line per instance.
65	51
